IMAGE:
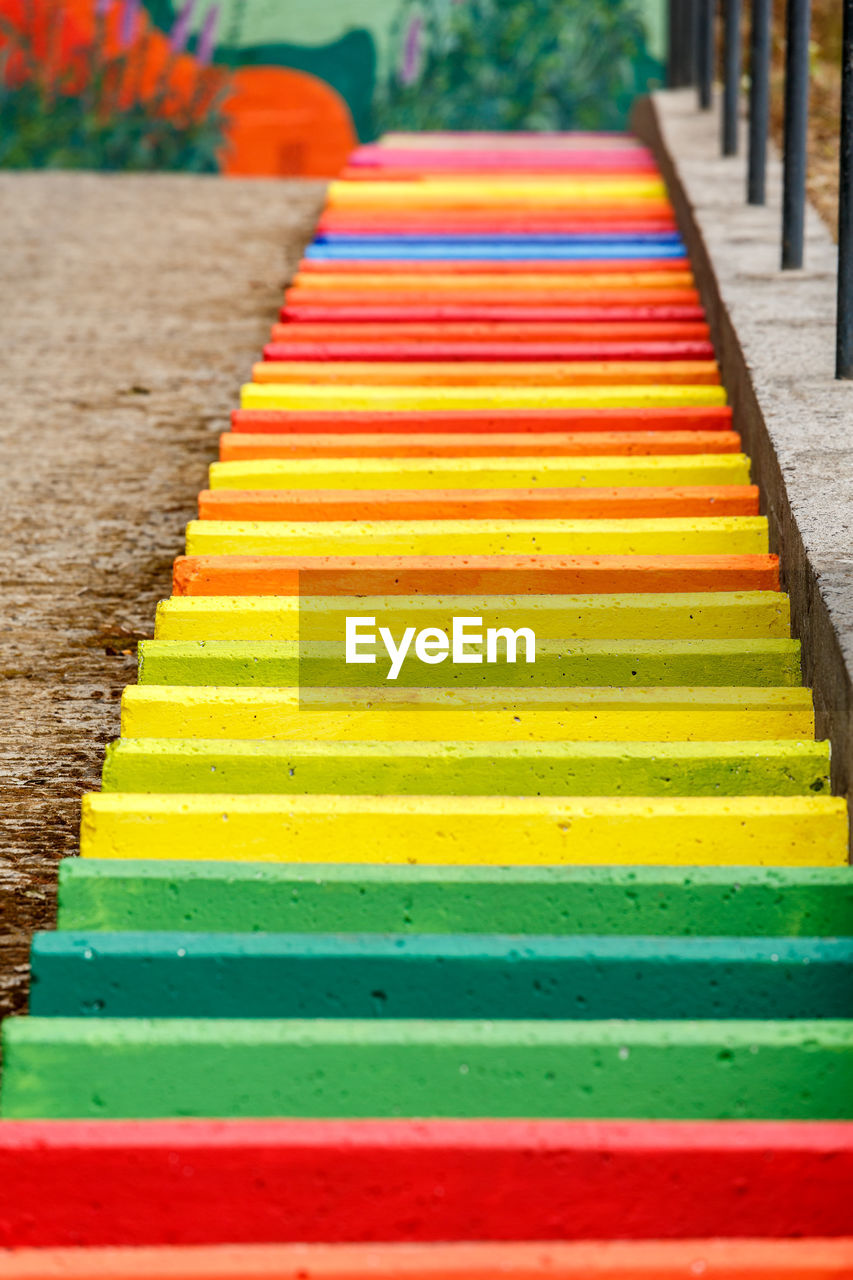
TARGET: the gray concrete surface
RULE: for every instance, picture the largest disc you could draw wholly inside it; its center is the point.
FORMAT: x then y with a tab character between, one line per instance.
775	334
132	309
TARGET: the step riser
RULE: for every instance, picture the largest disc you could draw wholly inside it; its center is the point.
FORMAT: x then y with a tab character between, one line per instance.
184	1182
449	576
430	280
760	831
623	395
237	447
752	664
471	473
449	376
278	715
603	309
812	1259
399	351
265	897
103	1068
714	418
463	769
182	975
492	373
587	300
518	335
477	504
755	615
723	535
564	192
564	282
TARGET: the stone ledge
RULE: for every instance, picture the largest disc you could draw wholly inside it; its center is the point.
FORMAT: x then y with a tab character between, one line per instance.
775	338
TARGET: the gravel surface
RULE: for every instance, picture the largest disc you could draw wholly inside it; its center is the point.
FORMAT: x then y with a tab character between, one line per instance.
132	307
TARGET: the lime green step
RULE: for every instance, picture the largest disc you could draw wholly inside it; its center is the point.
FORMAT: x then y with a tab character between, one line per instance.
100	1068
468	768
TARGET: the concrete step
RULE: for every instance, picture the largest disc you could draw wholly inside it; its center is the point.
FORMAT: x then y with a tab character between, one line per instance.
271	897
475	715
811	1259
103	1068
459	575
282	975
468	768
696	501
688	616
696	536
469	830
551	1183
554	663
235	446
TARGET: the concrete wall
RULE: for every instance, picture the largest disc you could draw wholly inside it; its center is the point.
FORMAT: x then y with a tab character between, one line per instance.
774	333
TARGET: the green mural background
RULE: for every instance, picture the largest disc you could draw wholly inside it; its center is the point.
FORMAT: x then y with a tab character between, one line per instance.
454	63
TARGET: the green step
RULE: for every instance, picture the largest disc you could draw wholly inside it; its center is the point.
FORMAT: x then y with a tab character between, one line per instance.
230	975
98	1068
269	897
596	663
238	767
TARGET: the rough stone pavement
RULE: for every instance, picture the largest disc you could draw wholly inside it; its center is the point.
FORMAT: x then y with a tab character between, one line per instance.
132	307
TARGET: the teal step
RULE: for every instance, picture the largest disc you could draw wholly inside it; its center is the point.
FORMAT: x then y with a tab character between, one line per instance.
228	975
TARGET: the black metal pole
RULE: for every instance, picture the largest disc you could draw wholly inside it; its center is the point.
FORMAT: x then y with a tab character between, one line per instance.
690	17
759	100
844	331
731	75
796	132
681	59
673	45
705	52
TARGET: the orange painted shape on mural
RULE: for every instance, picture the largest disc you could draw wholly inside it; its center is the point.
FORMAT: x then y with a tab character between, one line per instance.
474	374
471	575
492	266
494	297
469	421
284	122
717	1259
234	447
472	331
627	503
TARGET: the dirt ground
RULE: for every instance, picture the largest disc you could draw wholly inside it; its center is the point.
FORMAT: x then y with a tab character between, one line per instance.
131	310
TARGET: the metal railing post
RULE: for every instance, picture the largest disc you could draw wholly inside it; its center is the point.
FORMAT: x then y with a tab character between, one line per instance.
796	131
681	59
731	75
759	100
705	52
844	331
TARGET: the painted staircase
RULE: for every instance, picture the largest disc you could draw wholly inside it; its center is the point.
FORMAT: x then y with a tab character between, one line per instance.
492	967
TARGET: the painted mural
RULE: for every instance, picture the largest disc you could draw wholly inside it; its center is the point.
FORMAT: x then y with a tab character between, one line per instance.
249	87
